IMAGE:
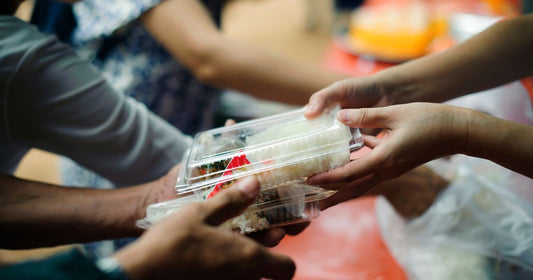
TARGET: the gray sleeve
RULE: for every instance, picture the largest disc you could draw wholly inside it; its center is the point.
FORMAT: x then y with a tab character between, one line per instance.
58	102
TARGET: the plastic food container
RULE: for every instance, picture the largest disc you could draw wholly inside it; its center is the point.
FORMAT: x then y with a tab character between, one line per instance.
281	151
276	149
290	203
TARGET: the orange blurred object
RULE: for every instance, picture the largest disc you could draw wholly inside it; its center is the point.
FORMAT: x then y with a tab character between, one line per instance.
343	243
392	32
401	30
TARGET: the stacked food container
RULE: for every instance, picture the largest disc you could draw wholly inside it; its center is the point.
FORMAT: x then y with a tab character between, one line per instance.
281	151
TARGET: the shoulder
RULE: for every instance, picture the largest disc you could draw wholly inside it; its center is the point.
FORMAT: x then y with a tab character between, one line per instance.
17	40
16	34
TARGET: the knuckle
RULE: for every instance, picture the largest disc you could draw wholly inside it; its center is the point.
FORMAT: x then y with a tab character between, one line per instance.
363	115
252	251
342	89
198	207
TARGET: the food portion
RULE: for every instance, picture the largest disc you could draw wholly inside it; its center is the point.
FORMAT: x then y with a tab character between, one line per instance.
279	208
295	151
276	150
281	151
289	204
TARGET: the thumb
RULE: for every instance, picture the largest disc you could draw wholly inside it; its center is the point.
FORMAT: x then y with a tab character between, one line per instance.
232	201
364	117
324	98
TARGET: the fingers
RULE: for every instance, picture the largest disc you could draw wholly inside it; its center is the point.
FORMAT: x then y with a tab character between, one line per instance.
371	141
354	170
296	228
325	98
276	266
229	122
231	202
272	237
350	191
268	238
365	117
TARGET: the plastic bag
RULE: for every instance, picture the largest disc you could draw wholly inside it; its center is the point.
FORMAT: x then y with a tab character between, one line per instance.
478	228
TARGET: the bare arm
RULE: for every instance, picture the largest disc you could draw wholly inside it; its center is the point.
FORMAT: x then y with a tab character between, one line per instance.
504	142
34	214
419	132
185	29
500	54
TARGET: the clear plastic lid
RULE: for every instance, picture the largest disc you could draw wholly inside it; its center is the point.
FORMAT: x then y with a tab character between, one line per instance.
277	149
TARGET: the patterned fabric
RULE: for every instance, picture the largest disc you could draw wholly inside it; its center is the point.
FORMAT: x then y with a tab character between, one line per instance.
98	18
136	64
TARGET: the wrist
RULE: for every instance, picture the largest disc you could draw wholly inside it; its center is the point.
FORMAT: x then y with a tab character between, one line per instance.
397	88
466	134
133	202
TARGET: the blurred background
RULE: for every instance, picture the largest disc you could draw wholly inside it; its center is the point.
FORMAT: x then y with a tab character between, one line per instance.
347	36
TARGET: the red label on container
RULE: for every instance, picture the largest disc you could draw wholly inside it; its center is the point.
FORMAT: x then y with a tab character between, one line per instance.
234	164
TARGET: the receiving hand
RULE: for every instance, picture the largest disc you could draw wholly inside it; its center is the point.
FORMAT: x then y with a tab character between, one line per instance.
414	134
190	245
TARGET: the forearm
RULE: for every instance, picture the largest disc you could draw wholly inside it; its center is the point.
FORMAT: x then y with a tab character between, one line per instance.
34	214
266	75
504	142
496	56
185	29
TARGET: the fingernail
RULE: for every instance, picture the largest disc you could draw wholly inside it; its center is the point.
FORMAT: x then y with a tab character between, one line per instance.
309	108
312	181
343	116
249	186
276	234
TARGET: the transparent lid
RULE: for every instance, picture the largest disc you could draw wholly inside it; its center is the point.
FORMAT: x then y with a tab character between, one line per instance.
277	149
287	204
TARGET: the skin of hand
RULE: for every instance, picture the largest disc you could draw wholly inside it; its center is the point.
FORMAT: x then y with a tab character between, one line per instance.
190	245
416	133
185	29
359	92
410	194
164	189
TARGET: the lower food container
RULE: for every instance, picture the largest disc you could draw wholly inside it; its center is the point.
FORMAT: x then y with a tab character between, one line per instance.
288	204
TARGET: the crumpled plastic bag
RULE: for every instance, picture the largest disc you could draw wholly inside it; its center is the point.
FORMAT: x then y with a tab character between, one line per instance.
480	227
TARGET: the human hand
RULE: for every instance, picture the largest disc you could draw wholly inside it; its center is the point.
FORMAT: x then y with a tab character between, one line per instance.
368	91
190	245
164	189
414	134
411	194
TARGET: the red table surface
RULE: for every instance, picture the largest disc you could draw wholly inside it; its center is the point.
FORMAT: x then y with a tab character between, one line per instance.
336	59
344	242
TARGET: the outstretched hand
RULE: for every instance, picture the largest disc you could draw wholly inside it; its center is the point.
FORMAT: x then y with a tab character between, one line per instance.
413	134
190	245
